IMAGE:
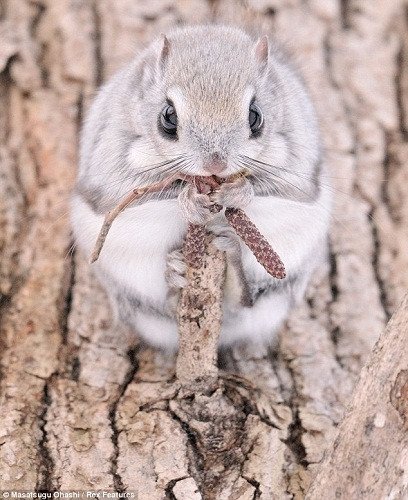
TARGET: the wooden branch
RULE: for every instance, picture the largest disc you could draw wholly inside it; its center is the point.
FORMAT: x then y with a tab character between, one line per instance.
369	458
199	311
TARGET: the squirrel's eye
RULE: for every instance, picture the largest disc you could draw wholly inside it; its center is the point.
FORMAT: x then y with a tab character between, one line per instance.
168	120
255	119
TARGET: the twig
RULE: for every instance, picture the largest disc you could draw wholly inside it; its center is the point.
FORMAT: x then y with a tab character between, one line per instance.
238	220
133	196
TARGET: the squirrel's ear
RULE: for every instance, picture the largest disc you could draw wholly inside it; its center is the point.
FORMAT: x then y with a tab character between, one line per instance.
165	50
262	52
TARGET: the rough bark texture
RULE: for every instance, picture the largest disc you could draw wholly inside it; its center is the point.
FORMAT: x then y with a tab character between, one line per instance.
199	310
370	454
82	405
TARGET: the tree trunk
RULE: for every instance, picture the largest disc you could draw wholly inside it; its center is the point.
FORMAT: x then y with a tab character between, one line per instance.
83	405
369	458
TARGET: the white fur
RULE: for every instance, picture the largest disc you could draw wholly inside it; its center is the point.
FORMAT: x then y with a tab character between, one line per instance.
136	248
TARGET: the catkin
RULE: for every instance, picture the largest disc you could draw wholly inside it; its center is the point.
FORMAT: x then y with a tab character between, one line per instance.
259	246
195	241
194	245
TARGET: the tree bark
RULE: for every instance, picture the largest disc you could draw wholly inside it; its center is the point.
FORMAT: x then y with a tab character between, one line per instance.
83	405
369	457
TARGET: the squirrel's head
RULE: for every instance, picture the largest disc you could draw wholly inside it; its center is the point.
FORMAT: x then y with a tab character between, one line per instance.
207	99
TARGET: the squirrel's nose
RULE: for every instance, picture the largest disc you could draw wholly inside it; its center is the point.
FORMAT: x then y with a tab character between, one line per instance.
215	165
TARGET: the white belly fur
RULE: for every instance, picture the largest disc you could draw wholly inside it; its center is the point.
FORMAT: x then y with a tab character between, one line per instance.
135	250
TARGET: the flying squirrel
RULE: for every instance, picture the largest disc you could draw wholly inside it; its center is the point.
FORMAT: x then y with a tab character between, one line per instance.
203	101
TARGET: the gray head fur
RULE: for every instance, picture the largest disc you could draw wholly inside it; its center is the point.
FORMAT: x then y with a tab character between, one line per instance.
211	74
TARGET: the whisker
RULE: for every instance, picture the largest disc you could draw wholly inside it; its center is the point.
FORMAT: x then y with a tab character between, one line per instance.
306	177
308	195
347	196
71	251
145	176
166	193
336	191
297	187
141	172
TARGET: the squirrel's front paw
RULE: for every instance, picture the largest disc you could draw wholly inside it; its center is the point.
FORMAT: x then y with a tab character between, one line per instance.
225	239
175	278
175	270
195	206
237	194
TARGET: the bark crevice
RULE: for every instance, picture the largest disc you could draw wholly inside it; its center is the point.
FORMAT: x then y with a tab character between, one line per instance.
133	367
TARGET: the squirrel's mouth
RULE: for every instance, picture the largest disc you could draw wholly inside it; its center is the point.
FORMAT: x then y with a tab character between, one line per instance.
205	183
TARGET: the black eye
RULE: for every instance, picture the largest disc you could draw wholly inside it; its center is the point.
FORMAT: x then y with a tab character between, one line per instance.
255	119
168	120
